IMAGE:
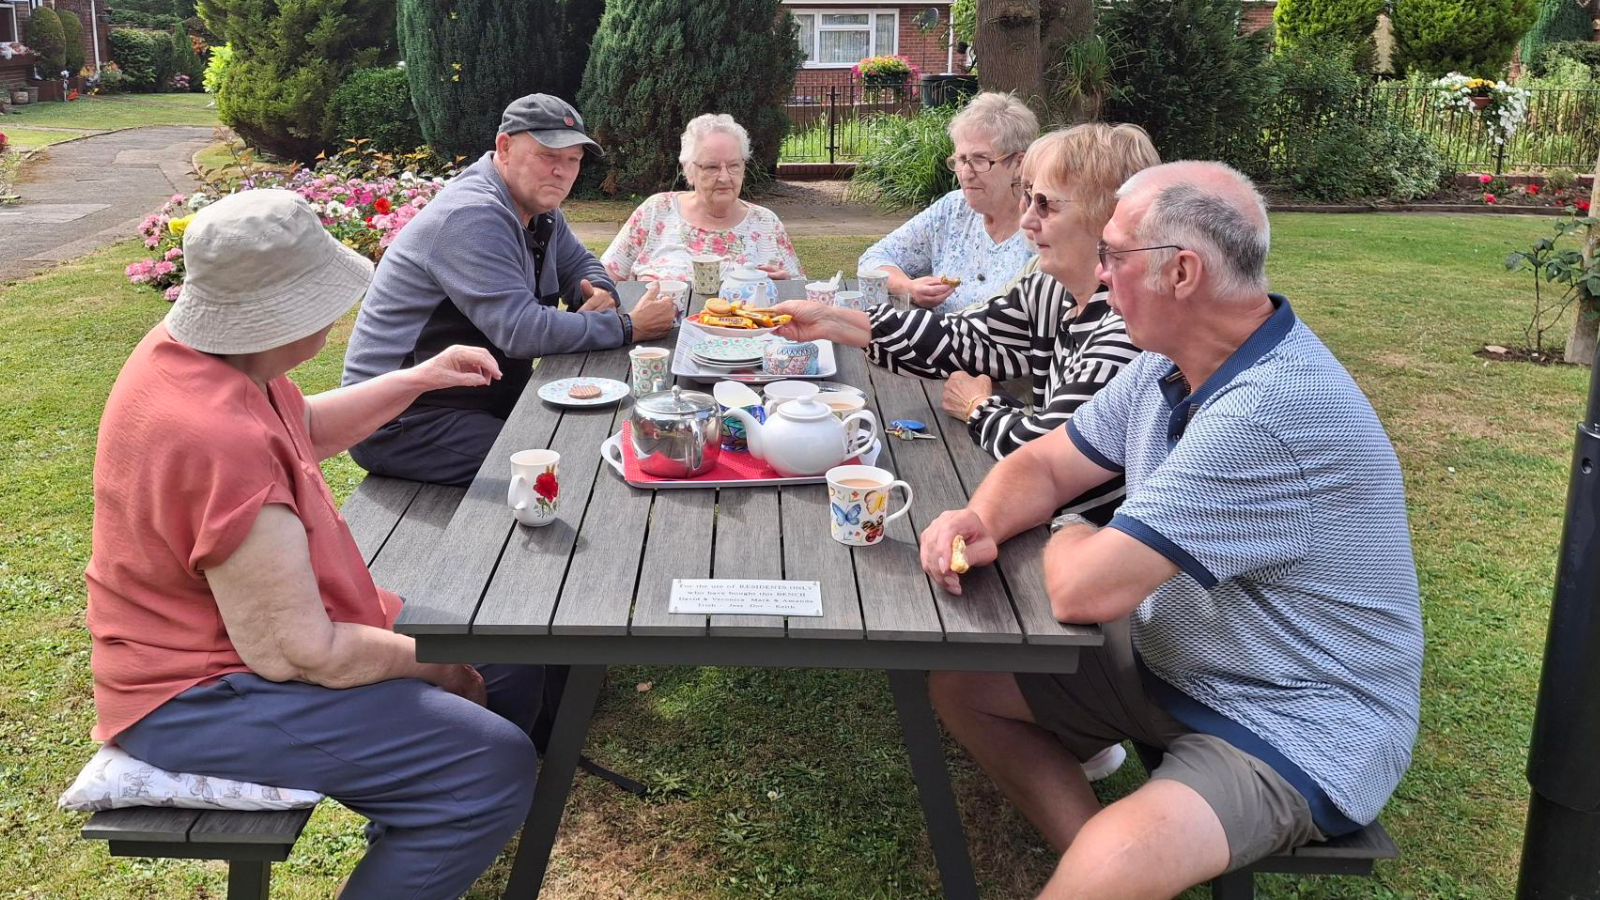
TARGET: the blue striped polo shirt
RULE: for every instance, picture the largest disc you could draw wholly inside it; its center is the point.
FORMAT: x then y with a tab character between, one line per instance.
1293	629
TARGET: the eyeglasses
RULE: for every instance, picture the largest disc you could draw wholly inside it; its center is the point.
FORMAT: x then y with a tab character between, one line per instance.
733	169
1042	206
1104	252
978	164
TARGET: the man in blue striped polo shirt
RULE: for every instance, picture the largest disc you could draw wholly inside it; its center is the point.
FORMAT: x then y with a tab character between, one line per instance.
1260	599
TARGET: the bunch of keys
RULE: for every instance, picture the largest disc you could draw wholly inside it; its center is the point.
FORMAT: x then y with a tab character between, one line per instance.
909	430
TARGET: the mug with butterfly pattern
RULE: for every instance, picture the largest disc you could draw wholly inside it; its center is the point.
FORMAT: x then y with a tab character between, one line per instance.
858	498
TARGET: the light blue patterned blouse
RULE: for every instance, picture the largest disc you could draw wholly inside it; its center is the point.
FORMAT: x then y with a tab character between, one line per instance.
948	239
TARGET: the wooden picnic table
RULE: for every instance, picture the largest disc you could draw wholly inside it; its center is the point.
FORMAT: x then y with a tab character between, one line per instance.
591	590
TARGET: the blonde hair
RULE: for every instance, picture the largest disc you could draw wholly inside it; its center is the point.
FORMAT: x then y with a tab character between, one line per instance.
1089	162
1005	119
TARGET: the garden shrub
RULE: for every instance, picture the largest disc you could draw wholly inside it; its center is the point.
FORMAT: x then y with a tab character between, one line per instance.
1186	75
580	19
184	60
288	59
1331	144
1338	23
1586	53
44	35
1555	21
656	64
375	104
1474	37
216	67
902	159
145	57
465	61
72	39
157	15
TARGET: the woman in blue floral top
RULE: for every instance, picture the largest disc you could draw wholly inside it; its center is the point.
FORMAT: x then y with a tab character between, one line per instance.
967	246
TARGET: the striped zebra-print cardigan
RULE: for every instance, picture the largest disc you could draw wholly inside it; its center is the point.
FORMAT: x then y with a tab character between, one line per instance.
1025	331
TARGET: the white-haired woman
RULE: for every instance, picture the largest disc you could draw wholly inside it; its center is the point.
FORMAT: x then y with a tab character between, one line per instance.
670	227
968	246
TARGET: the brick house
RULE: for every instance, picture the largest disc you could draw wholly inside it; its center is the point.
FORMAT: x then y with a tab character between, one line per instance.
835	34
20	70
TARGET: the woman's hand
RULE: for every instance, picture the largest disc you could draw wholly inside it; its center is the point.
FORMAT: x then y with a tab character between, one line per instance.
775	272
962	392
929	291
458	366
812	321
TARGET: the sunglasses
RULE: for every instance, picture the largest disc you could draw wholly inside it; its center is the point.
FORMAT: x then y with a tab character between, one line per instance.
1043	206
1105	253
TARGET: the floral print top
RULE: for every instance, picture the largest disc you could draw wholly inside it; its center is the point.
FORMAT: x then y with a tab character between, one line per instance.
948	238
657	242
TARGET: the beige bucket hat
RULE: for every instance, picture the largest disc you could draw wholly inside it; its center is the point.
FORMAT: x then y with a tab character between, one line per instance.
262	272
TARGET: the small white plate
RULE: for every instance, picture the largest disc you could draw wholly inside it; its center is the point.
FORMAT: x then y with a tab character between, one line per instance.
555	392
721	331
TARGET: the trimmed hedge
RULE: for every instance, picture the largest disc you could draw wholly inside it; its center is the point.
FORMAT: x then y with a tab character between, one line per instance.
44	35
145	57
1473	37
375	104
72	35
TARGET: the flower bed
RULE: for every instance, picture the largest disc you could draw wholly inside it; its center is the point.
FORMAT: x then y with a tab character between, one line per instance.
364	199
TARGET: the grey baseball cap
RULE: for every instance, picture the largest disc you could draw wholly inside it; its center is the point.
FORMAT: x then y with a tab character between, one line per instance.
551	120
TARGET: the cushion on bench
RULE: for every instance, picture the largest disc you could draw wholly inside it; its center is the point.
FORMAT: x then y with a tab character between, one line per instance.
114	780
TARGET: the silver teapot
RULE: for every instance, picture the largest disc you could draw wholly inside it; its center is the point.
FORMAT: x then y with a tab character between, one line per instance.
676	433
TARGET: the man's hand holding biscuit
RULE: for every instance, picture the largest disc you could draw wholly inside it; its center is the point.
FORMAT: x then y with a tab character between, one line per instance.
944	559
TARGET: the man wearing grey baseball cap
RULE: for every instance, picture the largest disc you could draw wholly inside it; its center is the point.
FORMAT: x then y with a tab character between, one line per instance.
487	263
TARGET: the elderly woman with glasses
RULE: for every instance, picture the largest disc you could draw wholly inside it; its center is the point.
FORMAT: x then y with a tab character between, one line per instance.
710	219
966	247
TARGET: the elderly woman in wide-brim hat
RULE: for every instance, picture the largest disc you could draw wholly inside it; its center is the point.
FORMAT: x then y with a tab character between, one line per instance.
236	632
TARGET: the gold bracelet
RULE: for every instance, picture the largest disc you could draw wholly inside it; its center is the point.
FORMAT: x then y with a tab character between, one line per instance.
972	406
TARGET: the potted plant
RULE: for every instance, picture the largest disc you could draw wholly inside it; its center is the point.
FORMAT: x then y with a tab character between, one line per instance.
882	72
1481	90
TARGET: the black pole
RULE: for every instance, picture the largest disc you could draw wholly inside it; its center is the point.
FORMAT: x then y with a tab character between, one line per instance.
1561	850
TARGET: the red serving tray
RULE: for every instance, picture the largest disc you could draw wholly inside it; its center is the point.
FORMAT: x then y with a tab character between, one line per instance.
733	468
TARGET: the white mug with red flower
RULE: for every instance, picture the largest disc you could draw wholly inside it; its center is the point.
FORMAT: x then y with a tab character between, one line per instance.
535	492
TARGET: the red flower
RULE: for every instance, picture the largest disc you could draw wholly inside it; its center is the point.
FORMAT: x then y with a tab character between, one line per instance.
546	486
1485	179
1533	189
1488	198
383	206
368	220
1582	205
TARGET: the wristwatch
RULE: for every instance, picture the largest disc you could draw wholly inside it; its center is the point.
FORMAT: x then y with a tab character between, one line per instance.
1068	519
627	327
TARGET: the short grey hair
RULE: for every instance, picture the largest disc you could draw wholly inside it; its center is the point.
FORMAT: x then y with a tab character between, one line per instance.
1212	210
702	127
1005	119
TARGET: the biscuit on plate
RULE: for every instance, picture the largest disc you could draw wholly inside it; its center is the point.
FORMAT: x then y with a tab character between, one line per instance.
584	391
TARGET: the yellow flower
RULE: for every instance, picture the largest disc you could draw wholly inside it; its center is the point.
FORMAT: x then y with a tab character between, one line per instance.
176	226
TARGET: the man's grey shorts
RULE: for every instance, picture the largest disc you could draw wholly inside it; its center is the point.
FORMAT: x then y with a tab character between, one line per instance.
1104	703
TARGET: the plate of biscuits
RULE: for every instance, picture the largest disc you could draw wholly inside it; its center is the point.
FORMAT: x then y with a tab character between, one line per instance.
583	391
731	318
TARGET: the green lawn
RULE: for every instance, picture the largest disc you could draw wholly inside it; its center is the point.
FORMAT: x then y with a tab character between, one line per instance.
779	783
88	115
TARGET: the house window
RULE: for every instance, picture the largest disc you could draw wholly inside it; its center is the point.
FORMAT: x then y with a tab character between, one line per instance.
8	25
833	38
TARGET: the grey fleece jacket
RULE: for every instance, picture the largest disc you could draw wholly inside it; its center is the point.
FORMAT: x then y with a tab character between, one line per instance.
463	272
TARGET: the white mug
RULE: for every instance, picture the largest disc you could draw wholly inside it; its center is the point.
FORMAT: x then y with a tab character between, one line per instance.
843	405
874	284
852	300
535	492
858	500
781	392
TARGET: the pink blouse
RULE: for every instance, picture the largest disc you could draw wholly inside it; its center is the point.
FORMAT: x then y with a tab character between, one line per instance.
657	242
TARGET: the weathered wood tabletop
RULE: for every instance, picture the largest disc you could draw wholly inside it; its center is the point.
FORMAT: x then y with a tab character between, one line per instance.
591	589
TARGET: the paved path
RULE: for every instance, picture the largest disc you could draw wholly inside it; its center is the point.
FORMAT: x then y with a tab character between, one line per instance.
83	195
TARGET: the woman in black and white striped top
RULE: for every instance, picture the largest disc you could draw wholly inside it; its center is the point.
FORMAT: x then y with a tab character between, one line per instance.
1039	328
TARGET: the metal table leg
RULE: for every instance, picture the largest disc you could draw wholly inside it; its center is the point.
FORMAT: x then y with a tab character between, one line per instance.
923	745
555	782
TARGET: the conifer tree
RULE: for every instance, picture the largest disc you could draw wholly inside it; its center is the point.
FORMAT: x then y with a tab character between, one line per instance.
1343	23
1555	21
44	35
184	60
72	38
1473	37
468	59
656	64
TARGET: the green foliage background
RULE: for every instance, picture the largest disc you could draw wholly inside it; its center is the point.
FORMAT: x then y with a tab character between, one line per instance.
145	57
1554	22
656	64
1187	76
902	160
72	40
375	104
184	60
1473	37
468	59
1323	23
288	59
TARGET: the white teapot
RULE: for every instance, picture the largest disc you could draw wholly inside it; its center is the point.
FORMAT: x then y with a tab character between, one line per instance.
750	286
802	437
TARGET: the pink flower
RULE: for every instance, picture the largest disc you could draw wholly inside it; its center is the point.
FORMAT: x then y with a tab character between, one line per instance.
1488	198
172	292
1485	179
176	198
139	272
174	253
164	268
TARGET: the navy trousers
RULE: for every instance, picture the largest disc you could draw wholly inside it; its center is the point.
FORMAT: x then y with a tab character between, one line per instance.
445	782
435	444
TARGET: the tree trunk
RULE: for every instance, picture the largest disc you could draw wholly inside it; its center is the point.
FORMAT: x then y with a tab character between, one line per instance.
1007	46
1581	340
1063	23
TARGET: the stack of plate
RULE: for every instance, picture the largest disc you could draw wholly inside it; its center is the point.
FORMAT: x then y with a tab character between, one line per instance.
726	354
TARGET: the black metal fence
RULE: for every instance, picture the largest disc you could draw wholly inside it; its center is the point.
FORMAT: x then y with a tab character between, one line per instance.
828	116
1561	130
